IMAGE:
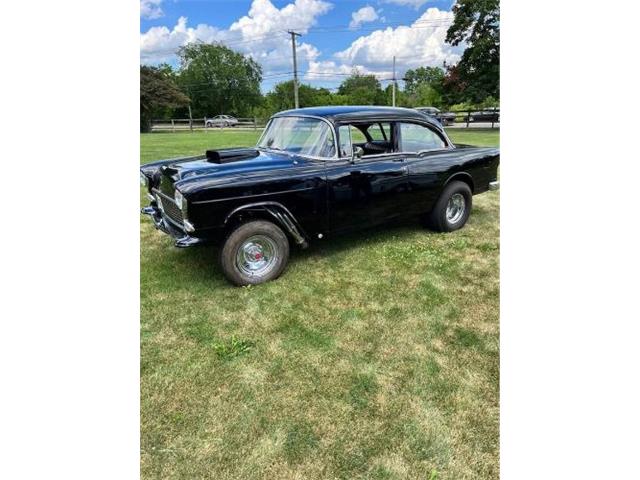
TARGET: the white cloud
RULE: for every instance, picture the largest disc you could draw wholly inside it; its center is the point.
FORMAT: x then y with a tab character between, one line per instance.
259	34
422	44
365	14
325	70
150	9
408	3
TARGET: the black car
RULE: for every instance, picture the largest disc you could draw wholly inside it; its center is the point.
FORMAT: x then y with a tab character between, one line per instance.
491	115
445	118
316	173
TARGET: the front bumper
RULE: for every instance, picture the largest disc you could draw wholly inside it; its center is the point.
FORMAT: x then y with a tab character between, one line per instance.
182	239
494	185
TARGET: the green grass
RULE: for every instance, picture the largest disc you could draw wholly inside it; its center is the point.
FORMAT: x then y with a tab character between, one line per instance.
374	356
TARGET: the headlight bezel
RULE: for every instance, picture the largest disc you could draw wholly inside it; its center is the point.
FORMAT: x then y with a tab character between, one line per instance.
181	202
179	198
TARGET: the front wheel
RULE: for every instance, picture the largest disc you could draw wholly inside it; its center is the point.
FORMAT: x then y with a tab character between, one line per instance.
255	252
452	209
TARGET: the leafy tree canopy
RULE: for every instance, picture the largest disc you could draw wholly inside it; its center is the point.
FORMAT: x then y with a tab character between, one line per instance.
158	91
219	80
477	75
362	90
431	76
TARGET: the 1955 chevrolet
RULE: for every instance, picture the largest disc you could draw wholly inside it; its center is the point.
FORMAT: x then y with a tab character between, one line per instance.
315	173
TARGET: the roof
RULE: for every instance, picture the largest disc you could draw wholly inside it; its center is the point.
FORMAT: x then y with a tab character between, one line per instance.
354	112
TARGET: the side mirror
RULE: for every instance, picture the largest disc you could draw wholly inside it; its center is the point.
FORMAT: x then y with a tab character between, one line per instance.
358	152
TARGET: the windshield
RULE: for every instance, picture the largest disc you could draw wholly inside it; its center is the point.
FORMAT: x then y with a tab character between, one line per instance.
300	135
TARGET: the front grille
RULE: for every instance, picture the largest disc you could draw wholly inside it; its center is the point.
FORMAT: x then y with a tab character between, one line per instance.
170	208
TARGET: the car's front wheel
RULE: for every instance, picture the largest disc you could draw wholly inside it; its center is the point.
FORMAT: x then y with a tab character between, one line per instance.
254	252
452	209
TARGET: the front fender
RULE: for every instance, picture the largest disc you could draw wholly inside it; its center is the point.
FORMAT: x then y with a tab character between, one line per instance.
279	213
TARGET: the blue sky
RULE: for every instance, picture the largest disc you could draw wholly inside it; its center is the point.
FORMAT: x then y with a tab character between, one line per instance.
337	36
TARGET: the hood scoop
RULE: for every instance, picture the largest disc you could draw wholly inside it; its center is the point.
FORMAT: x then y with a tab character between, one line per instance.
231	155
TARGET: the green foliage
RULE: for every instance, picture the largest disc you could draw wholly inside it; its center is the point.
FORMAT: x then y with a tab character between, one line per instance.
477	75
431	76
282	98
231	349
424	87
362	90
158	91
219	80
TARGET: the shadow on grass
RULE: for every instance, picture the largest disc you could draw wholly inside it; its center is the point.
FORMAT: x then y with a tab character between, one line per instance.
200	265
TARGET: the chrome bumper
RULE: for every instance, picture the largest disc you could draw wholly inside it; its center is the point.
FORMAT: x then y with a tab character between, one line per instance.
494	185
182	240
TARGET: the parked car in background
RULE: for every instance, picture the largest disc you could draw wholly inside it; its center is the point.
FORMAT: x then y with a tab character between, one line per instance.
316	173
445	118
489	115
221	121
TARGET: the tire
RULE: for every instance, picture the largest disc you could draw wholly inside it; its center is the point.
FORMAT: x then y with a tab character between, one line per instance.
446	215
254	252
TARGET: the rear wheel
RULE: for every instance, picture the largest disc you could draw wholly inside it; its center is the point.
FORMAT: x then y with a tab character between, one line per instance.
255	252
452	209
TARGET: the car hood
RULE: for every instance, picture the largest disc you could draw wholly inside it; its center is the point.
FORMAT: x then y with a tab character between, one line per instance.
191	173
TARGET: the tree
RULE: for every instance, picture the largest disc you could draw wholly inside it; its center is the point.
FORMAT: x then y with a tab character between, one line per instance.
477	22
219	80
281	97
431	76
362	90
157	91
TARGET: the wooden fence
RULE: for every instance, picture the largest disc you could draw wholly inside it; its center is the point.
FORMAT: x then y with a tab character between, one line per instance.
186	124
487	118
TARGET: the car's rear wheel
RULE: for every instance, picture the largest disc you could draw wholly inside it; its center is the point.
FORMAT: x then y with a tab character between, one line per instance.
452	209
254	252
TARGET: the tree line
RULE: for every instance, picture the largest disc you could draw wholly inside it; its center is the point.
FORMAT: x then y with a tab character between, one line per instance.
212	79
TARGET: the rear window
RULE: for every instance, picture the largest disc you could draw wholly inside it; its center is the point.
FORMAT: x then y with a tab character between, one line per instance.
417	138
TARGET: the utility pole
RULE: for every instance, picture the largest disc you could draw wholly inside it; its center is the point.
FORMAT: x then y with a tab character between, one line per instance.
393	85
190	117
295	67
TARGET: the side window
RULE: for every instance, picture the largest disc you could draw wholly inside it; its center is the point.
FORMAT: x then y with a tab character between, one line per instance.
380	131
344	134
415	138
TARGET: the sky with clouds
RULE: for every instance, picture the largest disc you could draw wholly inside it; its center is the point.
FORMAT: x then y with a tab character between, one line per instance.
337	36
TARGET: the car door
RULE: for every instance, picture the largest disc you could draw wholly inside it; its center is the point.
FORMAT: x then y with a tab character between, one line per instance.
427	157
364	191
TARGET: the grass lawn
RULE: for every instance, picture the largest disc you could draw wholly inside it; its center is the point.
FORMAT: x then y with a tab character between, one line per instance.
374	356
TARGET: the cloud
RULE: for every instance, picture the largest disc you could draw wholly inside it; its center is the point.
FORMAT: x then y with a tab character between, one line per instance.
408	3
365	14
422	44
150	9
259	34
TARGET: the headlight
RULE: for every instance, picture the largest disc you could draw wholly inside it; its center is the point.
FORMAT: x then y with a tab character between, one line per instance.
179	199
143	179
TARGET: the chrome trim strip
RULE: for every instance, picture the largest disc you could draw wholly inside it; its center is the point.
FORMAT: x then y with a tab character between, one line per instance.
253	196
155	190
494	185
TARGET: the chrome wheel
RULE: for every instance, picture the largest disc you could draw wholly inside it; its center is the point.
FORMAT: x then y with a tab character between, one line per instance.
455	208
257	255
